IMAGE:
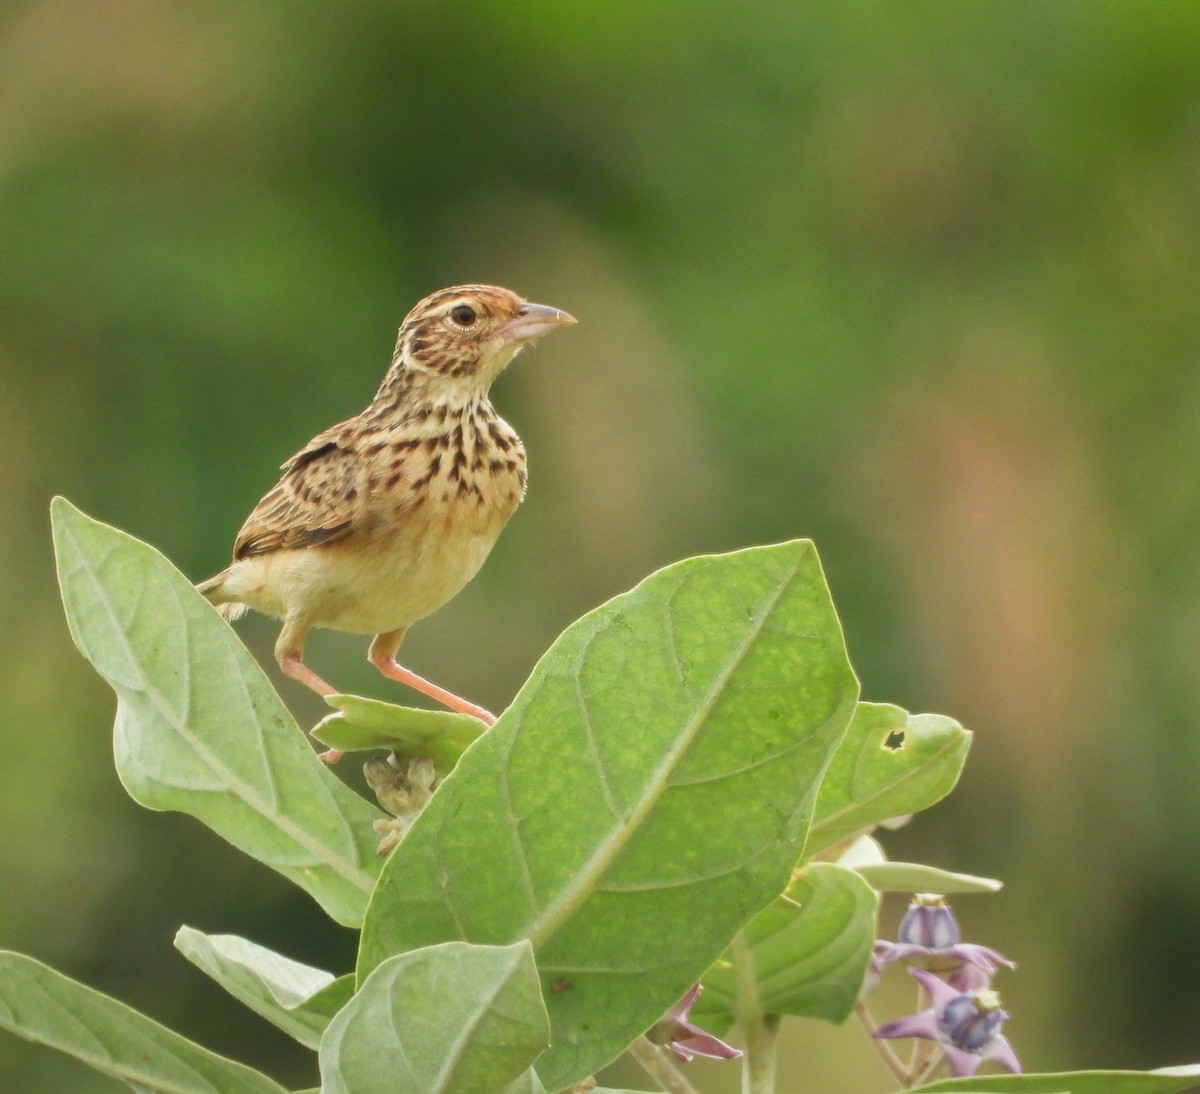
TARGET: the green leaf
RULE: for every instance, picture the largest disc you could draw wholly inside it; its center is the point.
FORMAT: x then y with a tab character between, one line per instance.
1163	1081
44	1006
866	857
806	954
605	816
912	877
360	723
297	998
528	1083
890	763
199	728
449	1019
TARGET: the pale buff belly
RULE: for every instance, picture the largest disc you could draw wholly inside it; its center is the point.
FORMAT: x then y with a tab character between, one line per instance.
387	581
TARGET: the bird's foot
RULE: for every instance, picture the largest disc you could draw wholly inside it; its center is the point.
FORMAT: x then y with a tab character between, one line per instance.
394	671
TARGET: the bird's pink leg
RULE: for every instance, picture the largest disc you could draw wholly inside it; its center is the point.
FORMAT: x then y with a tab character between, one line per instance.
383	656
292	666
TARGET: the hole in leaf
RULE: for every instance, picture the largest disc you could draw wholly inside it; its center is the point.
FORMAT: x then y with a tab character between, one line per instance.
894	741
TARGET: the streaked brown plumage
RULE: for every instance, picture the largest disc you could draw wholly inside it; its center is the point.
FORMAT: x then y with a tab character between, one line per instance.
381	519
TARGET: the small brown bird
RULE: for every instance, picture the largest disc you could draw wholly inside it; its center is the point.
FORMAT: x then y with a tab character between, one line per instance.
381	519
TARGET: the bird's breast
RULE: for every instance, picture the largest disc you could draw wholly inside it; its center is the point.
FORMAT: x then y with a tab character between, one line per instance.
430	501
435	515
467	470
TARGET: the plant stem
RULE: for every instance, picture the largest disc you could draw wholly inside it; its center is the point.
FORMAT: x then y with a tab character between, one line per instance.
922	1049
659	1068
894	1064
758	1072
759	1028
931	1069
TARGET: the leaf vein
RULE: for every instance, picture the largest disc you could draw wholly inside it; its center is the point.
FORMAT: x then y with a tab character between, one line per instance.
245	791
558	910
717	776
857	804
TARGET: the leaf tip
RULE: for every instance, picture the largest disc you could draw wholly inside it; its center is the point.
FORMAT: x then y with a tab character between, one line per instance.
63	516
61	511
183	935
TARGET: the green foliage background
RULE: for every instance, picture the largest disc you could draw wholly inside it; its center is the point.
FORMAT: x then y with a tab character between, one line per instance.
918	281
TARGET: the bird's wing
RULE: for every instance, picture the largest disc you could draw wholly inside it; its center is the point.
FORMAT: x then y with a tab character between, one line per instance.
318	500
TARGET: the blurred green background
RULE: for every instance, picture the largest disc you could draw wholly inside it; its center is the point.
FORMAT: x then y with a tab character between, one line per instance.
917	280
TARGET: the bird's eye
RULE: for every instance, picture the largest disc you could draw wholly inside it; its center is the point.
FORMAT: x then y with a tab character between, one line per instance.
463	315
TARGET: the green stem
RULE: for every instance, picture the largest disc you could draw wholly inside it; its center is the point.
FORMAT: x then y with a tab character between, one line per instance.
659	1068
759	1027
894	1064
758	1073
931	1069
922	1049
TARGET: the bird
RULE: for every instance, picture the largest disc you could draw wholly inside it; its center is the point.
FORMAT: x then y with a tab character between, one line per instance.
381	519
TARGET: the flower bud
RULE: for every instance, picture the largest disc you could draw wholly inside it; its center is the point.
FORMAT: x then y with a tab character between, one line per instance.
929	923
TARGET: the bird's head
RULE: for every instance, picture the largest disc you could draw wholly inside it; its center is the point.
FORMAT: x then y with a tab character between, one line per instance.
464	336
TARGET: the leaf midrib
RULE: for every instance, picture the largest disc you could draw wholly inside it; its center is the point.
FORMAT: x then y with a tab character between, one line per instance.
829	823
544	925
104	1061
243	790
453	1057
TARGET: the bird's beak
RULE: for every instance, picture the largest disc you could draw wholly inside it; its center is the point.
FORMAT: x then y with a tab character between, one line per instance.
534	321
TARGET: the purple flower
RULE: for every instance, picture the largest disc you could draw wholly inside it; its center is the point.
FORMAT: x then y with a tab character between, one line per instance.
929	930
929	923
873	975
684	1040
965	1024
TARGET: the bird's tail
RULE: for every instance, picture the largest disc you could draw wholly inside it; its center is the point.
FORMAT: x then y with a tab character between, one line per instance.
214	589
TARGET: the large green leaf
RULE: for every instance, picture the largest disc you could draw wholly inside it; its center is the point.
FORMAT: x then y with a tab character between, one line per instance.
42	1005
806	954
297	998
1164	1081
645	795
914	877
448	1019
890	763
199	728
